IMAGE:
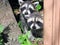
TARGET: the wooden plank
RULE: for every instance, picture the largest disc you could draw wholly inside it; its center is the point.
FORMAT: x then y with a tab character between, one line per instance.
52	22
56	23
48	21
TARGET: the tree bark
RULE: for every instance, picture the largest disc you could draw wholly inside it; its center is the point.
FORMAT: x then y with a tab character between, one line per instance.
7	19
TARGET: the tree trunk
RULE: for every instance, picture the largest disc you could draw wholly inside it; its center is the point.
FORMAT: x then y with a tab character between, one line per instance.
7	19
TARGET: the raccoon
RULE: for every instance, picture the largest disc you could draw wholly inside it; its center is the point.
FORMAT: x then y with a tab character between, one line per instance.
35	22
26	8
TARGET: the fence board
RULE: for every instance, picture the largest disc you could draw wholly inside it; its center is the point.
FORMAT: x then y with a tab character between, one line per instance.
51	22
48	11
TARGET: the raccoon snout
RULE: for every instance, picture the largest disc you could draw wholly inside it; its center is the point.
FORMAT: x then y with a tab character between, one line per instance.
34	27
26	13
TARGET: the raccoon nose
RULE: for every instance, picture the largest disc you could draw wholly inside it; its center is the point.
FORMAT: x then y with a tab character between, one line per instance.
34	27
26	13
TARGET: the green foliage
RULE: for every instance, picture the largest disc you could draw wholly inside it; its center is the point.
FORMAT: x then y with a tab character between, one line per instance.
23	39
1	40
20	25
38	7
1	28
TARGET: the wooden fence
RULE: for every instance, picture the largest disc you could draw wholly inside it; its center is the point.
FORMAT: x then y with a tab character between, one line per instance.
51	22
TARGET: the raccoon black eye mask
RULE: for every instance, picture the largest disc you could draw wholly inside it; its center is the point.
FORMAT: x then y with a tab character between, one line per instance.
35	23
27	9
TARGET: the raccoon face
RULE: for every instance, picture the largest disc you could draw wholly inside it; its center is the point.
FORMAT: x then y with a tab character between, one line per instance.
35	23
27	9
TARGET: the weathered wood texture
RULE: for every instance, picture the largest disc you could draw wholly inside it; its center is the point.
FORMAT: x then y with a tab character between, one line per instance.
51	22
7	18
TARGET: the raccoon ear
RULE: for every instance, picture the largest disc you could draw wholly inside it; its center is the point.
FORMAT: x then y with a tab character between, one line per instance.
20	2
35	3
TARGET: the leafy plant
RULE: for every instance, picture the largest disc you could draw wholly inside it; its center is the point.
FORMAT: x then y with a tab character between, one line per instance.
23	40
38	7
1	40
1	30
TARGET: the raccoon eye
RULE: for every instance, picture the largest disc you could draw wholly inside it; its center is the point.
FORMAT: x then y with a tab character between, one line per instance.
31	10
37	22
22	9
29	23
